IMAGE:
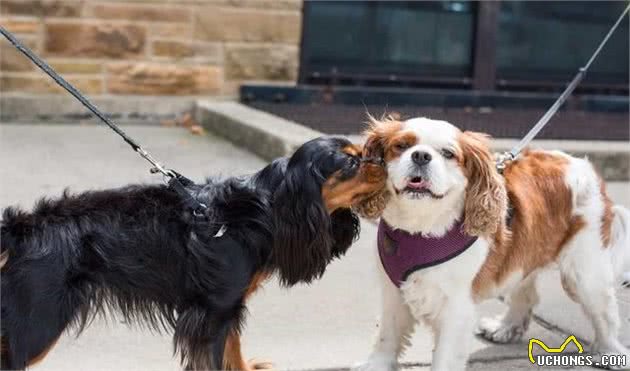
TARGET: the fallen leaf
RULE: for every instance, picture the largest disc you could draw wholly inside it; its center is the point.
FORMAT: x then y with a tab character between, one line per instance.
187	120
197	130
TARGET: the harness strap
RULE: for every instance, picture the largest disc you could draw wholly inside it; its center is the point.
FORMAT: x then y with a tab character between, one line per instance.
178	183
402	253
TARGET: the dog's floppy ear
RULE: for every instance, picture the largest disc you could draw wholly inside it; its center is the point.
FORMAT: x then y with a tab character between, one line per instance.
303	240
486	197
373	206
377	134
376	137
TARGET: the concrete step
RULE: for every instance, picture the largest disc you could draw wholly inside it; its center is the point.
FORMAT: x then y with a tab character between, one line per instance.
271	136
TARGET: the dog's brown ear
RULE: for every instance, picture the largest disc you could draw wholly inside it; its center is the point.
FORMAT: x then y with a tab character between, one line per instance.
486	197
374	146
377	134
373	206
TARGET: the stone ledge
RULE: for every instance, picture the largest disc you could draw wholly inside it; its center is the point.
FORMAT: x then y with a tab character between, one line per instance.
264	134
18	107
270	136
261	133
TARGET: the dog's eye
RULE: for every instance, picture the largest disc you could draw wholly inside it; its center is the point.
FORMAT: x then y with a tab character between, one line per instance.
447	153
401	146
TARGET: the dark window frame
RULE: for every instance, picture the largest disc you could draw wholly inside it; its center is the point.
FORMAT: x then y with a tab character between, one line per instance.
307	74
483	62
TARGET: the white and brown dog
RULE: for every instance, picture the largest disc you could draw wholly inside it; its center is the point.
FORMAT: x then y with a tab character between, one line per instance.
498	231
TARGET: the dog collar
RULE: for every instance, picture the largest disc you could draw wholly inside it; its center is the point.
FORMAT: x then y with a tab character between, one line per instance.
403	253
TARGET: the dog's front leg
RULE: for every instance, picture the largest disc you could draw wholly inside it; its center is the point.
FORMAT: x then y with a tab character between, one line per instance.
233	358
395	326
453	329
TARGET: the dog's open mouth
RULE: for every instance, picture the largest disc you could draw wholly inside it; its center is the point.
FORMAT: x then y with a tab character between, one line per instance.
418	187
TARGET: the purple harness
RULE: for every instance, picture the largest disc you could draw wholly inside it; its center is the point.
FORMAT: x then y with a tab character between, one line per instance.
403	253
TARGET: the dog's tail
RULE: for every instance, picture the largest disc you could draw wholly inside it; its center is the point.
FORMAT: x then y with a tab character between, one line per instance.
620	241
14	223
4	244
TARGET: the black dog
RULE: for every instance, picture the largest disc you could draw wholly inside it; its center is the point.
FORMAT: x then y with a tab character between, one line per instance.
137	250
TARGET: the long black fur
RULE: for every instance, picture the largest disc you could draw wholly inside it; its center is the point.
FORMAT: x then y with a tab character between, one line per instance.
137	251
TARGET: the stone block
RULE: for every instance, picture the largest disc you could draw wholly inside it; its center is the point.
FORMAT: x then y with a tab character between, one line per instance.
261	62
12	59
141	12
95	40
262	4
264	134
161	79
40	84
173	49
225	24
42	8
21	26
208	52
173	30
75	67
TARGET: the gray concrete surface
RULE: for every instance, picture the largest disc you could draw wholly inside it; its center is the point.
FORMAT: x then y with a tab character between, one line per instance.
328	325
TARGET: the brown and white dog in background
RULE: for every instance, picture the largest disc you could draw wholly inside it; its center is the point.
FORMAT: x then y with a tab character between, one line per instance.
560	216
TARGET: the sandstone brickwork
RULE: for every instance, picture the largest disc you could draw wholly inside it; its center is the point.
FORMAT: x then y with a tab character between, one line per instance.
151	47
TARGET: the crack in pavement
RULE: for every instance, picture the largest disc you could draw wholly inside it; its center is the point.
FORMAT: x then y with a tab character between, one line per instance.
556	329
407	365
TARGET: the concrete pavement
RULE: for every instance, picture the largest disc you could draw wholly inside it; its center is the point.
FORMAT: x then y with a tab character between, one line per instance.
328	325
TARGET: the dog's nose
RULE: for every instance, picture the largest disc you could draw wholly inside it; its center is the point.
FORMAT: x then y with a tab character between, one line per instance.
421	158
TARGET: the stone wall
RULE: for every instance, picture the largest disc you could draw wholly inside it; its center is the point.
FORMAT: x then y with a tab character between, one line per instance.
151	47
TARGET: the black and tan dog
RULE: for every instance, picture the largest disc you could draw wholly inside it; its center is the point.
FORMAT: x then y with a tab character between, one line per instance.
136	250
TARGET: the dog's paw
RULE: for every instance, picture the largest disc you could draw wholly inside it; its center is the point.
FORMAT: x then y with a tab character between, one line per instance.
377	363
255	364
496	331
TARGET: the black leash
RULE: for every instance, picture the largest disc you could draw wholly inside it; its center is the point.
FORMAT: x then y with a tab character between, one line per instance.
514	152
177	182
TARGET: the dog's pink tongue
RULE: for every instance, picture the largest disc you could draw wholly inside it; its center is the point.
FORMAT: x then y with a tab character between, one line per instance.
417	184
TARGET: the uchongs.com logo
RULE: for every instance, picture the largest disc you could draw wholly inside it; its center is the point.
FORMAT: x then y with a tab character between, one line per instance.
561	357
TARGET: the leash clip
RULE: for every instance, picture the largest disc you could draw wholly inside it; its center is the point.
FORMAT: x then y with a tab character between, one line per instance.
221	231
199	211
502	159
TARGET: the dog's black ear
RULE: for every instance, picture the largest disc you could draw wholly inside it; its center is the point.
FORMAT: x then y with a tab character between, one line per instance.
303	240
345	229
